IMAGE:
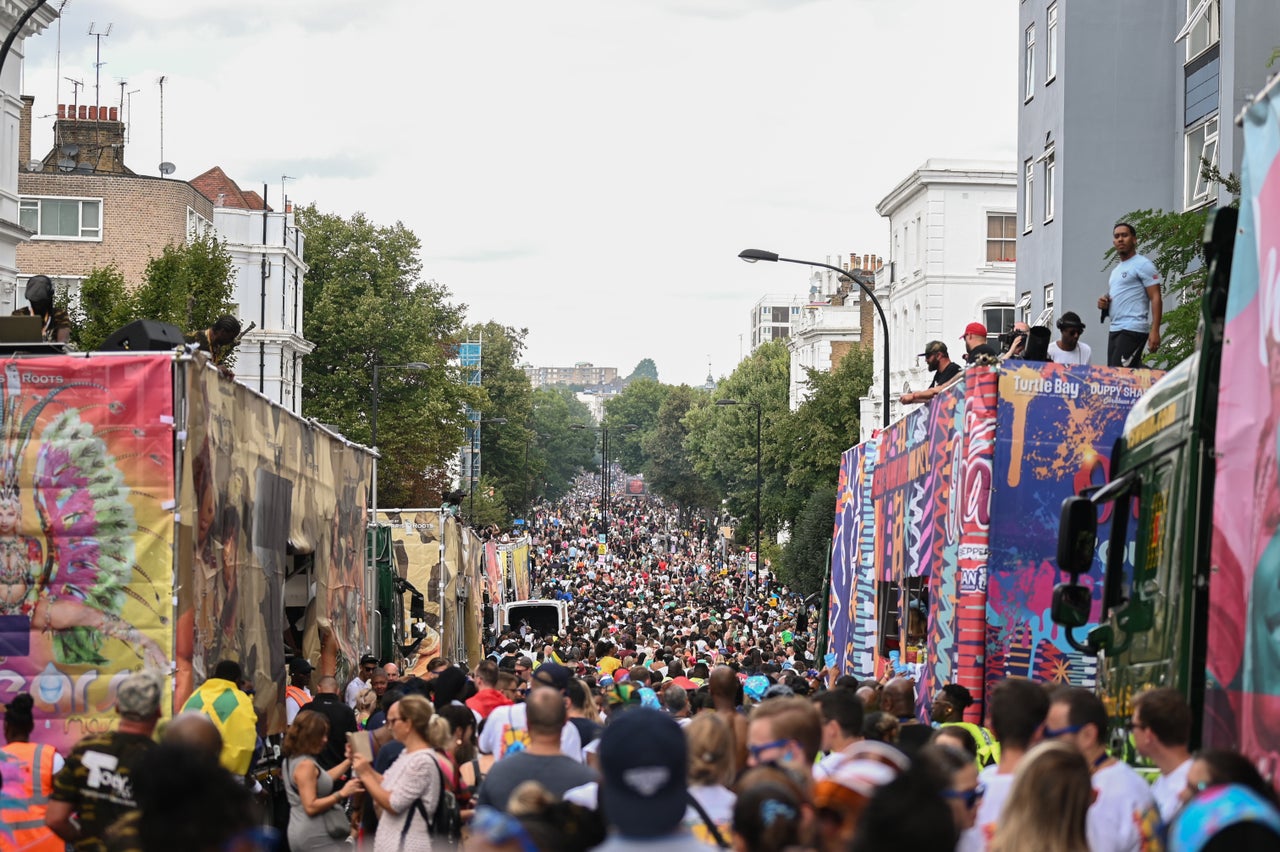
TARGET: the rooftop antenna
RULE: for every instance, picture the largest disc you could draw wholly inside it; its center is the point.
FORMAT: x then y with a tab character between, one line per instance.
160	82
57	63
284	202
97	65
128	126
121	82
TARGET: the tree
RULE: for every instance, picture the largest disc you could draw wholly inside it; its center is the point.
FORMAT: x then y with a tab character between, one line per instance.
189	285
638	406
507	394
646	369
669	469
1173	241
557	452
805	557
365	304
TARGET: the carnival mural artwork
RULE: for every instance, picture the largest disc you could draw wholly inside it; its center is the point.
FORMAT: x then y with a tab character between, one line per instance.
416	556
1242	701
86	534
1057	427
851	624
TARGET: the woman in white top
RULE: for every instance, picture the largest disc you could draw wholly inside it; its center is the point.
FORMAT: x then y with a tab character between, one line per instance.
414	776
711	761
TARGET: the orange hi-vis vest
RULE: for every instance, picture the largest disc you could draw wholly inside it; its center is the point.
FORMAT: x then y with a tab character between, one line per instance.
298	694
22	828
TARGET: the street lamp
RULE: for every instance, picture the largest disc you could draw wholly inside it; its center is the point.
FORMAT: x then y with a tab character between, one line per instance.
471	468
605	477
753	255
759	558
527	441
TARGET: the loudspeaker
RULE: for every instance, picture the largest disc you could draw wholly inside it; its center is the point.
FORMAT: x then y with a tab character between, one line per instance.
144	336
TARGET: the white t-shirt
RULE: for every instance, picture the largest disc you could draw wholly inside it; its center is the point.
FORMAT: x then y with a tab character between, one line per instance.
509	724
718	802
989	808
354	689
1167	788
1124	818
1080	355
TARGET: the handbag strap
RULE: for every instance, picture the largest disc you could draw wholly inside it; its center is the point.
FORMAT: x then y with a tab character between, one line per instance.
706	819
419	807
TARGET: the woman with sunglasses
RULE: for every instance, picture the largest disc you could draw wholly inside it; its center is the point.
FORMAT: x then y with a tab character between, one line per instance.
410	789
957	771
1213	767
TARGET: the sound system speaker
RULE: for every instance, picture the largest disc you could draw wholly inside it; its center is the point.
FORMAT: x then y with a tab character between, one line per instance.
144	336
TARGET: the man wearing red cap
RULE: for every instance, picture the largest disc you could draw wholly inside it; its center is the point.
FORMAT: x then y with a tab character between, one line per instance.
975	342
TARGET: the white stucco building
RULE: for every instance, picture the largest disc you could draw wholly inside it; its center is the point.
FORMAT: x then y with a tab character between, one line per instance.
266	250
952	233
773	315
15	149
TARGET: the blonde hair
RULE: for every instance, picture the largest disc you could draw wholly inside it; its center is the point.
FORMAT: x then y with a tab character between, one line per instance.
711	756
1051	772
417	711
439	733
366	701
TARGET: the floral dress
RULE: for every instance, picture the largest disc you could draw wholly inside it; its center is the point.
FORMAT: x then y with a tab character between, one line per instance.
413	776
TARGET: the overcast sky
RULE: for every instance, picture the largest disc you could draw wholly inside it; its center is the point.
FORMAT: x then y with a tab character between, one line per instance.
586	169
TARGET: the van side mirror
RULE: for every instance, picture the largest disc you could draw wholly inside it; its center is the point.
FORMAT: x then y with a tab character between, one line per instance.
1077	536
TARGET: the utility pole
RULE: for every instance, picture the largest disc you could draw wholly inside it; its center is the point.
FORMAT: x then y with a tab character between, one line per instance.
98	63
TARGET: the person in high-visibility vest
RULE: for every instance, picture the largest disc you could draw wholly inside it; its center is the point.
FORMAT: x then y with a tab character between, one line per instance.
948	709
33	766
297	694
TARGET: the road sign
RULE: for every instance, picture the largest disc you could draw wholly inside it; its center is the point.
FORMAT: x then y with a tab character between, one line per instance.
751	558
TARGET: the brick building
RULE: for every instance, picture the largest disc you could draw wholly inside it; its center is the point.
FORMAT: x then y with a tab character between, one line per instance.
87	210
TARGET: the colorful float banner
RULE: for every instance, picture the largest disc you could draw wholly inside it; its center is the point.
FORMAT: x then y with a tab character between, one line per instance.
417	557
852	620
1242	701
263	494
87	529
1057	426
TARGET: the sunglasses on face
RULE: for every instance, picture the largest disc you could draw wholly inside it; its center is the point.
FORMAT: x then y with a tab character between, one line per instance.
757	750
969	797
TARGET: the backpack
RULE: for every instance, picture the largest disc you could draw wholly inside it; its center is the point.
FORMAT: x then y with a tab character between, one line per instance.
446	822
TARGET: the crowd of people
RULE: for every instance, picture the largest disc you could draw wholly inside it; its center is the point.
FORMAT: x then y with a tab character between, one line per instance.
682	707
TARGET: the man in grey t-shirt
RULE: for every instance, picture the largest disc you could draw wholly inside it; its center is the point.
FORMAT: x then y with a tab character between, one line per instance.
541	760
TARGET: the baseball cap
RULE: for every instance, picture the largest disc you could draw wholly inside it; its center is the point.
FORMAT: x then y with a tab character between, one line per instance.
934	346
643	761
974	328
138	695
553	675
368	660
299	665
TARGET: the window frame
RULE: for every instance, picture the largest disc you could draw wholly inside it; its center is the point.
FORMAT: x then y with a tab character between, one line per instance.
1029	61
1028	194
25	200
1012	240
1051	43
1191	198
1050	179
1197	10
993	333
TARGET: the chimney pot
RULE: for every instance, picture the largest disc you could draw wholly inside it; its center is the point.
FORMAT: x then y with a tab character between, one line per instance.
114	113
84	112
93	113
62	110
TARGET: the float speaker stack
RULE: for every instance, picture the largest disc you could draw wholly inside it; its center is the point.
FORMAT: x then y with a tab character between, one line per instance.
144	336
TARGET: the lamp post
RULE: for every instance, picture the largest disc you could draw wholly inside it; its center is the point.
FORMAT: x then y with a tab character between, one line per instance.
605	477
759	558
753	255
471	467
532	435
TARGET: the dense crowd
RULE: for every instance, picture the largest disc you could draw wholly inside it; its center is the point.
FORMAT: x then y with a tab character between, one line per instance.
680	708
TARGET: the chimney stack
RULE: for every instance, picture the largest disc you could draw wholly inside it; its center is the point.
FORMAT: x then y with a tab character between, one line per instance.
97	135
24	131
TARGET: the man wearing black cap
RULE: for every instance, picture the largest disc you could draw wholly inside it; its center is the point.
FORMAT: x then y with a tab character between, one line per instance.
56	325
943	368
359	683
645	792
1070	349
298	693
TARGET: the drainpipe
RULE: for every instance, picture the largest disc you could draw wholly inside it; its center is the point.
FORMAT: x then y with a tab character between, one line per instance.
262	313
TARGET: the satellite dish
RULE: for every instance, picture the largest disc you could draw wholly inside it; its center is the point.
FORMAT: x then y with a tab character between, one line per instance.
67	164
85	168
35	165
167	168
70	150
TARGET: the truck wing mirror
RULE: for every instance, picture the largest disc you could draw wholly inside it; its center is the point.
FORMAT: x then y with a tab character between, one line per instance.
1077	536
1071	604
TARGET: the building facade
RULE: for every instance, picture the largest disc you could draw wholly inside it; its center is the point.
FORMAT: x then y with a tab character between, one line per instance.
837	319
15	157
267	251
582	373
1118	104
952	261
773	316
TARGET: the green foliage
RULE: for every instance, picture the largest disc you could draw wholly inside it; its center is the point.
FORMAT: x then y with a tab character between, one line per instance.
669	469
637	406
1173	241
188	285
557	451
365	304
805	557
490	505
646	369
507	395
